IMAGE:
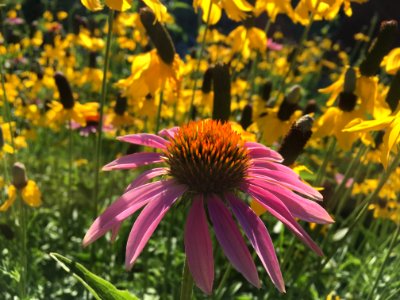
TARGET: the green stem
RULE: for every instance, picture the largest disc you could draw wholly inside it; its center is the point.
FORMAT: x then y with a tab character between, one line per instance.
328	156
224	278
23	253
338	193
101	113
203	43
158	120
384	263
187	283
364	205
69	163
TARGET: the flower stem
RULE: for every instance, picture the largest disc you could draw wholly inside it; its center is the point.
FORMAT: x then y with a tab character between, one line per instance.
158	121
225	277
23	238
203	43
328	156
101	113
187	283
384	263
69	162
338	193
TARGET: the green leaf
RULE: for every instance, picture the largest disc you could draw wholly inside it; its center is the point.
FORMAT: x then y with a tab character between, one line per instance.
101	289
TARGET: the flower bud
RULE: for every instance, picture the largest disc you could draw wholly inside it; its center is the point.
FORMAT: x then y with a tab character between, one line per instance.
266	90
350	80
247	115
290	103
393	96
311	107
158	35
207	81
19	178
347	101
120	105
380	48
1	138
92	59
64	89
296	139
222	92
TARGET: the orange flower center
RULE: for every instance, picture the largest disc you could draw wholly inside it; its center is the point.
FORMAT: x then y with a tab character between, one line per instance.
208	156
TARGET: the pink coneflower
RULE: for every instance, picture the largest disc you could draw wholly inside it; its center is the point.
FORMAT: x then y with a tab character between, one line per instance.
210	163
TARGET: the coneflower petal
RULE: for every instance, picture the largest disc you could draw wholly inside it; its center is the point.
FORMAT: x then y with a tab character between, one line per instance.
148	221
170	132
133	161
146	176
259	238
231	240
298	206
286	180
257	150
198	246
144	139
280	211
123	207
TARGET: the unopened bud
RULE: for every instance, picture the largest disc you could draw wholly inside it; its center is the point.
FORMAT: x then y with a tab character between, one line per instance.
158	35
120	105
1	138
350	80
380	48
393	96
222	92
296	139
266	90
347	101
247	116
311	107
92	59
64	89
207	81
290	103
20	179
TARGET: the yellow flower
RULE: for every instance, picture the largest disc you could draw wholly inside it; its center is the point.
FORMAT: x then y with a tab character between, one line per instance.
122	5
275	7
244	40
391	138
149	74
235	9
392	61
30	194
79	113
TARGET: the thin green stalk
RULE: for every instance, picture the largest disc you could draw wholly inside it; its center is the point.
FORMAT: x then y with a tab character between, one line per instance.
23	250
187	283
364	205
158	120
338	193
70	143
203	43
384	263
328	156
224	278
101	113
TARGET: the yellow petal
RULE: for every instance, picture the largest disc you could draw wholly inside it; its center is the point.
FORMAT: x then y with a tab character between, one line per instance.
158	8
393	61
369	125
12	194
93	5
257	208
120	5
31	194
